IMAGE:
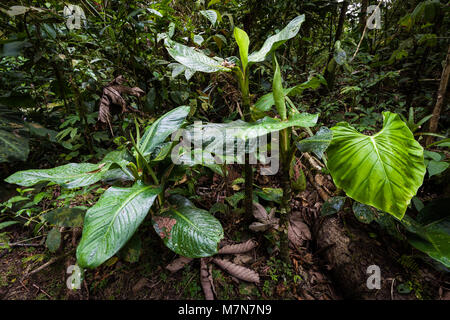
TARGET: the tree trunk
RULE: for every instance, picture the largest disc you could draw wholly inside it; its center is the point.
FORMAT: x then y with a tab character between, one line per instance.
330	71
440	97
363	15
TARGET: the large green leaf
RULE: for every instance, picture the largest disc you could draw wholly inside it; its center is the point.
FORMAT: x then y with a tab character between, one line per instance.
432	230
155	134
13	147
267	101
243	42
273	42
246	130
188	230
384	170
112	221
317	143
13	136
72	175
192	58
213	137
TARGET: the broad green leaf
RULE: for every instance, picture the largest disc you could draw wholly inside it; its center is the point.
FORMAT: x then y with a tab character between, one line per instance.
119	157
13	147
317	143
436	167
19	10
247	130
429	249
384	170
213	138
7	224
188	230
72	175
332	206
267	101
243	42
53	240
198	39
211	15
13	136
431	231
193	59
66	217
112	221
278	92
273	42
177	69
155	134
270	194
220	40
363	212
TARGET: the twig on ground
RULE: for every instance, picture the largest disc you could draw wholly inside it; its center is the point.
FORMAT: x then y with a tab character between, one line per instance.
45	265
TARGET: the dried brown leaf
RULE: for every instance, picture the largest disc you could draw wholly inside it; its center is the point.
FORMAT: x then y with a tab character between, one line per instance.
298	231
178	264
239	247
259	212
205	280
266	220
112	101
237	271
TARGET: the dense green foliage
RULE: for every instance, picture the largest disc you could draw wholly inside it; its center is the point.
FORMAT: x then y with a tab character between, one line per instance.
347	95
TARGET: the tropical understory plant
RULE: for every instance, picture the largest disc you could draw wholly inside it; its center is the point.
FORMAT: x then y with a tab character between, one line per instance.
195	60
112	221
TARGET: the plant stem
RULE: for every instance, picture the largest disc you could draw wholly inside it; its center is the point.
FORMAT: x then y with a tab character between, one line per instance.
248	202
286	199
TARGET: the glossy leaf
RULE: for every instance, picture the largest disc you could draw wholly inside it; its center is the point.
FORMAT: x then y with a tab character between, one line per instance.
211	15
266	102
243	42
384	170
72	175
112	221
187	230
317	143
273	42
363	212
246	130
158	132
193	59
332	206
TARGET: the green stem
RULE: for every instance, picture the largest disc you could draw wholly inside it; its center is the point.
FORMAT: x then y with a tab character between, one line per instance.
286	199
244	86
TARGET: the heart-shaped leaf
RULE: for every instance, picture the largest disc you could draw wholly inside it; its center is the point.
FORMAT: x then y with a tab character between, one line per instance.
384	170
